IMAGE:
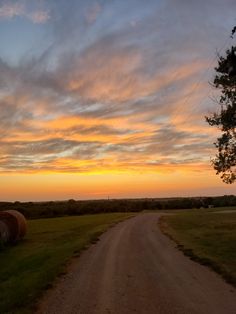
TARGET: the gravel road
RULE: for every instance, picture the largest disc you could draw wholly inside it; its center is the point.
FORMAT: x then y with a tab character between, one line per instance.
134	268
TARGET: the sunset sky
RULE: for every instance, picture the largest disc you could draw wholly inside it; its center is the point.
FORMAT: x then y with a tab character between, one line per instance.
108	97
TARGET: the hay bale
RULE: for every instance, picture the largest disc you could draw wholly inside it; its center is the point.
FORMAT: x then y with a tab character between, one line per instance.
22	225
16	224
4	232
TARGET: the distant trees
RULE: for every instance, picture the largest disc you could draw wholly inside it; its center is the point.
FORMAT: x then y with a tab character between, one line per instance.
225	118
34	210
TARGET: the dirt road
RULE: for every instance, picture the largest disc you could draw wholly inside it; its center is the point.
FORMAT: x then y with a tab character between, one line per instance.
134	268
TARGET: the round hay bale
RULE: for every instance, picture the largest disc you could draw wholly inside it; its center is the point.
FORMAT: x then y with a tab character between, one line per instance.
4	232
16	224
22	225
11	223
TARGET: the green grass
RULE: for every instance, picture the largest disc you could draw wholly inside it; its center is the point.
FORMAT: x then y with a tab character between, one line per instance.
207	236
30	267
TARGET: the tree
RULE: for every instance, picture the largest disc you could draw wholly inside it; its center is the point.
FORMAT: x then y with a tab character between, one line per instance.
225	119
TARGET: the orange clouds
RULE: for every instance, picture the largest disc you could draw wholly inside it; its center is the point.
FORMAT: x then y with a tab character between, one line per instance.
100	76
107	97
115	105
115	76
46	138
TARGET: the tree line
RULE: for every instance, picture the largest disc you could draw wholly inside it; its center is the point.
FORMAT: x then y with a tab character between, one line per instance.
34	210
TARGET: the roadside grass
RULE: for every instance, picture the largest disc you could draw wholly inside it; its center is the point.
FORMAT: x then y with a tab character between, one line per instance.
30	267
206	236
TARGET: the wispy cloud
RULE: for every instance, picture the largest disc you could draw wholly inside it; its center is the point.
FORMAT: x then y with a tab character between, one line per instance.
10	9
92	12
115	98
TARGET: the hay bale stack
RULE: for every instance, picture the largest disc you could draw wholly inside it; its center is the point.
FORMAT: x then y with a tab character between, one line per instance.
15	226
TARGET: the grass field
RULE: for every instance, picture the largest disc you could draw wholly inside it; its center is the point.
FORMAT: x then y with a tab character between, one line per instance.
207	236
30	267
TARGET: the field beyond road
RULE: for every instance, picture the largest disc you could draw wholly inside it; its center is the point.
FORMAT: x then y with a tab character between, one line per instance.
207	236
30	267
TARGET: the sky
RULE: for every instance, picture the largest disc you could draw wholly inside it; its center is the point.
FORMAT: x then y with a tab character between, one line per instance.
108	98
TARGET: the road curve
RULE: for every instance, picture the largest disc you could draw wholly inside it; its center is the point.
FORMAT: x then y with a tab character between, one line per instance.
134	268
